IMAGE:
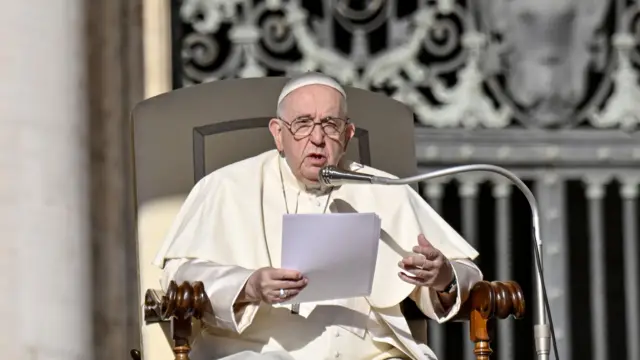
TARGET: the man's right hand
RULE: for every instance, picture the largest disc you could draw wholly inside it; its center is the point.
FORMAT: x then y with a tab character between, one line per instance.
264	285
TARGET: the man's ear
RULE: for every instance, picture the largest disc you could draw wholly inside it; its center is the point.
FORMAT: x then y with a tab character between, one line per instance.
349	132
276	131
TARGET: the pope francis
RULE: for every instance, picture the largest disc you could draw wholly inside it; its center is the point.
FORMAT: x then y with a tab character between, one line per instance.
228	235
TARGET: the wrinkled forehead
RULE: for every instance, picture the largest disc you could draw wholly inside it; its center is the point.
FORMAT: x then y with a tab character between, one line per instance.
314	100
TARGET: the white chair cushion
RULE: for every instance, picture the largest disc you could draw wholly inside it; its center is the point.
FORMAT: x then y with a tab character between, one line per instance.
154	220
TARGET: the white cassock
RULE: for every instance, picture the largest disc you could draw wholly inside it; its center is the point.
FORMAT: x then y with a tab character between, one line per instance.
231	224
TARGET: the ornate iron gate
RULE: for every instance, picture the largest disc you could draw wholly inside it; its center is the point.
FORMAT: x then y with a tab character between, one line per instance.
546	88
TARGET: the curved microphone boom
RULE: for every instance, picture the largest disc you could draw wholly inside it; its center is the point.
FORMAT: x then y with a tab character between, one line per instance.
543	331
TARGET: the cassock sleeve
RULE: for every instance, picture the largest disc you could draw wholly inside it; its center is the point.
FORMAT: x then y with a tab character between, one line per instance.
223	284
467	274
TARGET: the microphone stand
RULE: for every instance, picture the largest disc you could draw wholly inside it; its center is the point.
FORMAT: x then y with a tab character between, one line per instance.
332	176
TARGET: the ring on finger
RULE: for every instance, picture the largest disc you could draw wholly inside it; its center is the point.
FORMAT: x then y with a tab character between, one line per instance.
283	294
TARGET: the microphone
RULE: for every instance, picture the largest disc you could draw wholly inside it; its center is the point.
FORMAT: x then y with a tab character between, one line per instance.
543	331
333	176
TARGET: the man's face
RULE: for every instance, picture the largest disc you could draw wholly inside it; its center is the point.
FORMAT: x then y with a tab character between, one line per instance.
312	131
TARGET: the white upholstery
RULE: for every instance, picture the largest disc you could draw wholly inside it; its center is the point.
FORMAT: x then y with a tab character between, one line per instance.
154	219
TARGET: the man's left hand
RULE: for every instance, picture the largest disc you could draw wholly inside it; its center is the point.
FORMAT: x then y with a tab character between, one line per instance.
429	266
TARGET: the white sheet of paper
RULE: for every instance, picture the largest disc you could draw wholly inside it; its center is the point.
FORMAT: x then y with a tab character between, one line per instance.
336	252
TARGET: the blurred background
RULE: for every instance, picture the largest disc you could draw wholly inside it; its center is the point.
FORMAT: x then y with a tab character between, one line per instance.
546	88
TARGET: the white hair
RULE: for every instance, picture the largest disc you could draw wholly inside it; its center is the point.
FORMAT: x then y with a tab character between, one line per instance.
310	78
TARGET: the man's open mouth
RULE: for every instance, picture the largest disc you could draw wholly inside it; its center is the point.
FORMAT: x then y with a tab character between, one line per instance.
316	159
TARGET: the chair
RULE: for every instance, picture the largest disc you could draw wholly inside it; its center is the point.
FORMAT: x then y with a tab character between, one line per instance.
181	136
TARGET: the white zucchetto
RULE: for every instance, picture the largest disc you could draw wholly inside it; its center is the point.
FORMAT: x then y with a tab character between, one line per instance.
310	78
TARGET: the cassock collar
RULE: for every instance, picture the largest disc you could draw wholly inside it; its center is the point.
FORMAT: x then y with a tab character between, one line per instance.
291	181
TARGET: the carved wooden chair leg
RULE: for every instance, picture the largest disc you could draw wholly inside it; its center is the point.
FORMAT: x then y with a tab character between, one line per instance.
181	329
480	336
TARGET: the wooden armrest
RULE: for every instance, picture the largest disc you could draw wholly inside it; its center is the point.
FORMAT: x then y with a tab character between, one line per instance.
487	302
180	304
184	301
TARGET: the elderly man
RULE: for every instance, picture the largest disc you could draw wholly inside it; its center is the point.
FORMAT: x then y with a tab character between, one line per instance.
228	235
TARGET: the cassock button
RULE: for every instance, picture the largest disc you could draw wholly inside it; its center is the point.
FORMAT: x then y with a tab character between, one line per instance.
337	333
337	355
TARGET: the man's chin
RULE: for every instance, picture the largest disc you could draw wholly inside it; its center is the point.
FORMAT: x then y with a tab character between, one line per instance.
311	173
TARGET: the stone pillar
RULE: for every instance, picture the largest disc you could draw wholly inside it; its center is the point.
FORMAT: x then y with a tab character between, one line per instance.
114	38
45	270
157	47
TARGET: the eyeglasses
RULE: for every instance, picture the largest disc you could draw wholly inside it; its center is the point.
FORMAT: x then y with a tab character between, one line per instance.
303	126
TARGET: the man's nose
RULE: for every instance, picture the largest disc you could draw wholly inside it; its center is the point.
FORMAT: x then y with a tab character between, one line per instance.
317	134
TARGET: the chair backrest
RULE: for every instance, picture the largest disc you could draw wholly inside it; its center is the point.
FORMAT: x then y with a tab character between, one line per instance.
179	137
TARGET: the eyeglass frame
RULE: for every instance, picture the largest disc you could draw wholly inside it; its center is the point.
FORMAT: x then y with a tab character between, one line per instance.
289	125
